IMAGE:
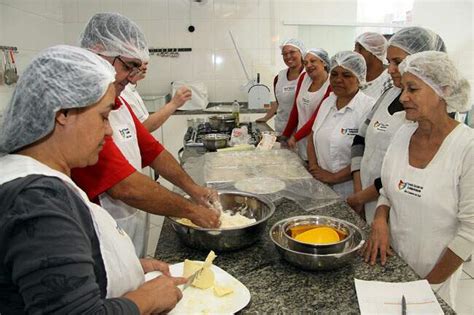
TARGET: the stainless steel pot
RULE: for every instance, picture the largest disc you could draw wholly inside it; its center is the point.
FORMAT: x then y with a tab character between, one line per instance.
214	141
317	261
229	239
222	123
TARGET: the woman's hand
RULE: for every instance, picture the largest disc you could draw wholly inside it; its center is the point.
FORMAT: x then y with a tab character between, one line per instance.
150	264
291	143
159	295
378	242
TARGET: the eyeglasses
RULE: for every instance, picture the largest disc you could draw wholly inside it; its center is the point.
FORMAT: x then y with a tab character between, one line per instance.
289	53
132	68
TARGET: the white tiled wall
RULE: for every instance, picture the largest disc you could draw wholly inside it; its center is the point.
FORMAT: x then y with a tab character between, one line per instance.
30	25
257	26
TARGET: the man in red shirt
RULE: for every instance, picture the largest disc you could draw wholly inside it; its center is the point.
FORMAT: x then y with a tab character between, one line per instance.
115	181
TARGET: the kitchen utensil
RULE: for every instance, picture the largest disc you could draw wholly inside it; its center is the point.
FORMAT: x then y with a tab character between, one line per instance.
14	66
214	141
249	205
191	278
317	221
317	261
222	123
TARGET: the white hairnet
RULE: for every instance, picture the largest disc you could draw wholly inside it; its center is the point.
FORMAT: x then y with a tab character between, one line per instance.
415	39
59	77
321	54
351	61
295	43
375	43
112	34
438	71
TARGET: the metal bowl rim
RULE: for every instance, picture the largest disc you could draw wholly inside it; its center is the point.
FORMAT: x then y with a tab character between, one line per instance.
279	224
215	136
348	237
233	192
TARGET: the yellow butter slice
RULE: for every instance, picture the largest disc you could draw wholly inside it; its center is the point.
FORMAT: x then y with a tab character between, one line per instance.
320	235
190	267
221	291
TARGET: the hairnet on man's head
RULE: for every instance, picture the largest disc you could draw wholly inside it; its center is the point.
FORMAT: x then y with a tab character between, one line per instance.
416	39
352	61
438	71
112	34
375	43
321	54
59	77
295	43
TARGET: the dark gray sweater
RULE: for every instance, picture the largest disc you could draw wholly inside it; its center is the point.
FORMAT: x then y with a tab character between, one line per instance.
50	261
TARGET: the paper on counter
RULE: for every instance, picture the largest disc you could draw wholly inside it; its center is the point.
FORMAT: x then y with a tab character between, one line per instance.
376	297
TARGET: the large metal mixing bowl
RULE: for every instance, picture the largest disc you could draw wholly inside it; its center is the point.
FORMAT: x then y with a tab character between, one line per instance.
214	141
317	261
318	221
222	123
249	205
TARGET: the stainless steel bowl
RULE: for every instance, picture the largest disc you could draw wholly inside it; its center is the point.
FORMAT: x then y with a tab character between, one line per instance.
318	221
317	261
222	123
214	141
249	205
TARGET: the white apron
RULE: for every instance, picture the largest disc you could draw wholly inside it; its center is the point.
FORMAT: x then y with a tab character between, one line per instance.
129	218
333	133
122	267
131	96
285	96
377	138
307	102
424	204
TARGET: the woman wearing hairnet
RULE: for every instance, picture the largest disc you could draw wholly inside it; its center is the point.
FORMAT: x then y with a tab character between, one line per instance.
373	47
312	88
59	252
370	145
284	84
341	114
426	206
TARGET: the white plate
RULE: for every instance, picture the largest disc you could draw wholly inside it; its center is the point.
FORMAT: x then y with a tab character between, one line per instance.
198	301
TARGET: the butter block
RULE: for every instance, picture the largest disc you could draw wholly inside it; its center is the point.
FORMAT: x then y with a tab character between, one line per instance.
221	291
205	279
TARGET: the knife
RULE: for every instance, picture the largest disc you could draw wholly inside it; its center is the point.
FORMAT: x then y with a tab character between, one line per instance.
191	279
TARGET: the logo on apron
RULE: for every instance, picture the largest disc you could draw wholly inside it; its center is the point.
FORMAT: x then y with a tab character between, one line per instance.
125	133
349	131
380	126
409	188
287	89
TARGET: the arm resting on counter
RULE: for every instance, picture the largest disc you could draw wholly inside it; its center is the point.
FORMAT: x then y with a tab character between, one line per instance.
379	239
270	112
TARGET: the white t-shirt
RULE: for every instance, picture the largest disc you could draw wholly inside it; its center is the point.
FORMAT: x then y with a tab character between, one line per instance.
334	131
131	96
376	87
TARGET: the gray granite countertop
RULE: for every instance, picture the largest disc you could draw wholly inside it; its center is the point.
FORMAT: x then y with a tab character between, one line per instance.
277	287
